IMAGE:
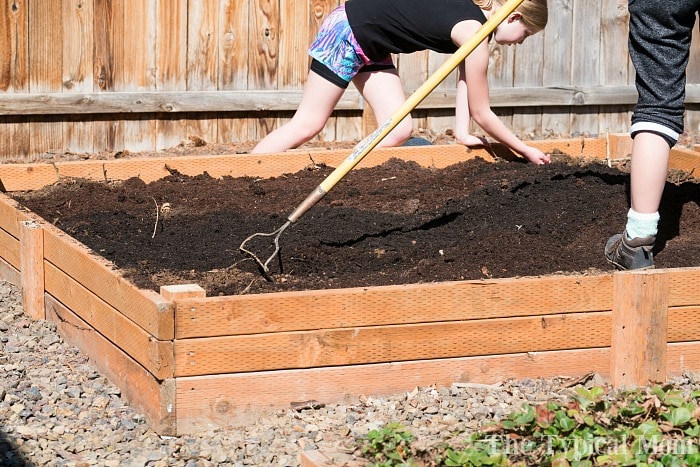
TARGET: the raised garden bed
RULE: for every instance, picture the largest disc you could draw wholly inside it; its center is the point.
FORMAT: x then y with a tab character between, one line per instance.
332	331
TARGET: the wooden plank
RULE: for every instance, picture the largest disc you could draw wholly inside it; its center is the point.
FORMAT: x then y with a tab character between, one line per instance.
639	328
682	357
529	58
78	134
202	62
31	176
684	286
9	273
683	325
685	160
77	71
46	39
413	69
380	344
108	131
557	72
171	67
293	43
155	399
233	65
154	355
236	399
9	249
500	75
45	65
233	46
404	304
182	292
288	100
585	65
17	177
320	9
138	70
14	132
31	246
615	63
263	41
10	215
14	46
619	147
144	307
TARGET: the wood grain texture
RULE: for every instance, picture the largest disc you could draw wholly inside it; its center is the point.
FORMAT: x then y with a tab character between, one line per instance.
393	343
639	328
410	304
234	400
31	247
14	46
156	399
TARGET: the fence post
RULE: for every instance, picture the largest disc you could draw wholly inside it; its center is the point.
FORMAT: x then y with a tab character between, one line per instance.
639	328
31	240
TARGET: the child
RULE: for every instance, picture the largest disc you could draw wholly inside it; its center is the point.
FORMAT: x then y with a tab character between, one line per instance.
356	41
659	46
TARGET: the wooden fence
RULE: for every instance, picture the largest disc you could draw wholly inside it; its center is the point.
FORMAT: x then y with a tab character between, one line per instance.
95	75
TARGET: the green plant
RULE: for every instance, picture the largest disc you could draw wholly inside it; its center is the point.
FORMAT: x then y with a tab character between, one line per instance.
655	426
389	446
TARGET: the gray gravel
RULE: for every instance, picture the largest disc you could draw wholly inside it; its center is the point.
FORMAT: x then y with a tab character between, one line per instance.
56	409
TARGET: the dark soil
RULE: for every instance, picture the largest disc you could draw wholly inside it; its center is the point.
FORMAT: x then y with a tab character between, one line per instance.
394	224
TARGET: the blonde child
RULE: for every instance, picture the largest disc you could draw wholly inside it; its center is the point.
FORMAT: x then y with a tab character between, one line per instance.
355	44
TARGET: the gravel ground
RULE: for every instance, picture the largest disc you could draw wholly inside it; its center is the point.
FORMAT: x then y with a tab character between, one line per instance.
56	409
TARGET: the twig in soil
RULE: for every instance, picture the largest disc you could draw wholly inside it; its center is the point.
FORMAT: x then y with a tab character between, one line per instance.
245	291
155	227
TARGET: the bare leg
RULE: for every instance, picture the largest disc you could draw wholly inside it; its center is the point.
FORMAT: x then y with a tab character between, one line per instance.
318	102
650	154
383	92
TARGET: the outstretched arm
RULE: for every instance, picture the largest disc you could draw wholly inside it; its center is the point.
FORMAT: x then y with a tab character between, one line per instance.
473	81
462	116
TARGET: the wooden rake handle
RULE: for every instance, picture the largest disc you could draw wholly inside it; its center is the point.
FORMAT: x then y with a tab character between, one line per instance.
370	142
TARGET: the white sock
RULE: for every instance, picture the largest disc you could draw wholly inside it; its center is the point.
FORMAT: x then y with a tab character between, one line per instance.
642	224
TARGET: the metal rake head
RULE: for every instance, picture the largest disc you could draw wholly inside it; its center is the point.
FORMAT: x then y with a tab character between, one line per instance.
264	268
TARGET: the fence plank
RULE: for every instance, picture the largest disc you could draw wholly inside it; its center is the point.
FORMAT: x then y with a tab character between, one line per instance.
585	60
557	63
14	47
615	64
78	70
45	65
171	66
443	121
233	65
14	74
108	131
202	58
139	70
528	72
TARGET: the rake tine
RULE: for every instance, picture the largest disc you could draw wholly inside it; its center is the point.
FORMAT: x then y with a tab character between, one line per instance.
264	264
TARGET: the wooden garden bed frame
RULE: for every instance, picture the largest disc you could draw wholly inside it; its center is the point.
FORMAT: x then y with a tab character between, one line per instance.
192	362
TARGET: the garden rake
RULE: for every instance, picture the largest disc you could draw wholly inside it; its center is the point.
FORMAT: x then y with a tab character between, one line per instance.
370	142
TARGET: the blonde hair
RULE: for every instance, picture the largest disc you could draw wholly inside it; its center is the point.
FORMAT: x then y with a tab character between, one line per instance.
533	12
